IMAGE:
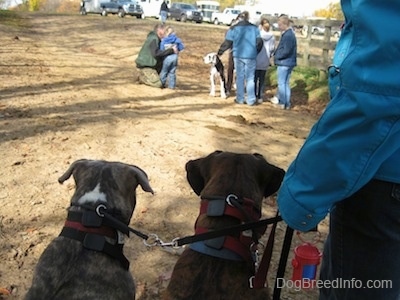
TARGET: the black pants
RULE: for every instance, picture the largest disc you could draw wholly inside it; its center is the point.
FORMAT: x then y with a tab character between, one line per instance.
231	68
362	252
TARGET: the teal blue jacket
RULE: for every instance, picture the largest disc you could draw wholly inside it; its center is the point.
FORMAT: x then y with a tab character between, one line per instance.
245	40
357	138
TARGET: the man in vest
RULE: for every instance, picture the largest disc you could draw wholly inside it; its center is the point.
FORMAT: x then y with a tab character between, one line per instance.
150	57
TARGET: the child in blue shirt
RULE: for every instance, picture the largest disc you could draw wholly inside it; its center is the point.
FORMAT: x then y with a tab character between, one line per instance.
170	62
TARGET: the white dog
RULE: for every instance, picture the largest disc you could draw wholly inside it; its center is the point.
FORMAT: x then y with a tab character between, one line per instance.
216	73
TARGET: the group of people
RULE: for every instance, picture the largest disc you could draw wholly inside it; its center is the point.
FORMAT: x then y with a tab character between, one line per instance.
349	164
251	49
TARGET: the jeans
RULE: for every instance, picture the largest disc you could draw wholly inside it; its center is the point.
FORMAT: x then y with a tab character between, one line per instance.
284	73
259	81
170	64
363	245
163	16
245	70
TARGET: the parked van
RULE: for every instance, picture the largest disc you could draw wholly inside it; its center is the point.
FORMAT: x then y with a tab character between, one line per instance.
207	7
151	8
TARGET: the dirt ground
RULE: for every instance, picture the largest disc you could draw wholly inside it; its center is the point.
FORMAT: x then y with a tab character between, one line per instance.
67	92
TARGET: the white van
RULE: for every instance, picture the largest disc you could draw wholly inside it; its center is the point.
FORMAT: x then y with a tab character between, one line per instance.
207	7
151	8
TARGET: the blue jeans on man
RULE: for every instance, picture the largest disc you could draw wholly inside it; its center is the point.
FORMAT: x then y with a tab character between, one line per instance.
163	16
284	73
245	70
168	71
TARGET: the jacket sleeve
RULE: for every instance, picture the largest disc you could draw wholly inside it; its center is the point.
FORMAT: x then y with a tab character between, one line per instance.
260	44
157	52
225	46
355	136
179	44
285	47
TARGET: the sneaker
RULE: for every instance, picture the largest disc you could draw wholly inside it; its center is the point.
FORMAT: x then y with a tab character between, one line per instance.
260	101
274	100
239	102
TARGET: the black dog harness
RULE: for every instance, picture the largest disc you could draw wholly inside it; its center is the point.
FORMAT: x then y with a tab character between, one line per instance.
229	246
91	226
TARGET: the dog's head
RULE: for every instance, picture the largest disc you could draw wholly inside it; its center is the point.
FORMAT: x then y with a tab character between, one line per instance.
114	183
244	175
210	58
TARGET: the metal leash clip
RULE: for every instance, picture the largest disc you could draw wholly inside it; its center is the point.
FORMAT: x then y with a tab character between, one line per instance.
152	241
229	199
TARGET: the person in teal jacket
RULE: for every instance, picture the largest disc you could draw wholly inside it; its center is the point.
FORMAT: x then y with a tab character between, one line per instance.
349	166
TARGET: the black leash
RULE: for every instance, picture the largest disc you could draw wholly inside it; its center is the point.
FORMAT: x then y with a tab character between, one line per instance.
225	231
101	211
282	262
117	224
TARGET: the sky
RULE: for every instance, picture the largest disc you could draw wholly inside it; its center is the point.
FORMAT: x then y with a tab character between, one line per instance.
296	8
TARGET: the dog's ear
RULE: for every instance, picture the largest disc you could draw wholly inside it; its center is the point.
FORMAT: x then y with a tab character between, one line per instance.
197	172
194	176
272	176
141	178
274	180
214	58
70	170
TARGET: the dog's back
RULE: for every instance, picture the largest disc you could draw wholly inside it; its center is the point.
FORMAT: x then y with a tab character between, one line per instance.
67	270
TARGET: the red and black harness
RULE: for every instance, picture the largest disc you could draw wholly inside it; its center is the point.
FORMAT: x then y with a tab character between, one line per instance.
244	210
235	246
98	229
95	226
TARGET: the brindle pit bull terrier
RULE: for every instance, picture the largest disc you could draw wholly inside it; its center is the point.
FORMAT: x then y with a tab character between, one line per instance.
232	187
86	261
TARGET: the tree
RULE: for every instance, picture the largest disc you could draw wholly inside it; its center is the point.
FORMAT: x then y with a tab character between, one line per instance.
34	5
333	11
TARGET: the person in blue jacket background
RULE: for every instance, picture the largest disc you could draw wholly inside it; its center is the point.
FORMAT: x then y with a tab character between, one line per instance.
349	166
245	41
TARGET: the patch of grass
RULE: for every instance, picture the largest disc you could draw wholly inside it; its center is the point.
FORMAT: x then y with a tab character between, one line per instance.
12	18
307	84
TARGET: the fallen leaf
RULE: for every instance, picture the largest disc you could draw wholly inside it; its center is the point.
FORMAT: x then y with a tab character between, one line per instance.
4	291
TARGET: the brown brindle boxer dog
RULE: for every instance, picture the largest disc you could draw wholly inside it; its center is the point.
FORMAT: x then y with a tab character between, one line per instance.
86	261
232	187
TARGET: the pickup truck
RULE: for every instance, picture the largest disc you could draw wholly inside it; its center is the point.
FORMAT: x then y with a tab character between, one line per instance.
120	7
226	17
